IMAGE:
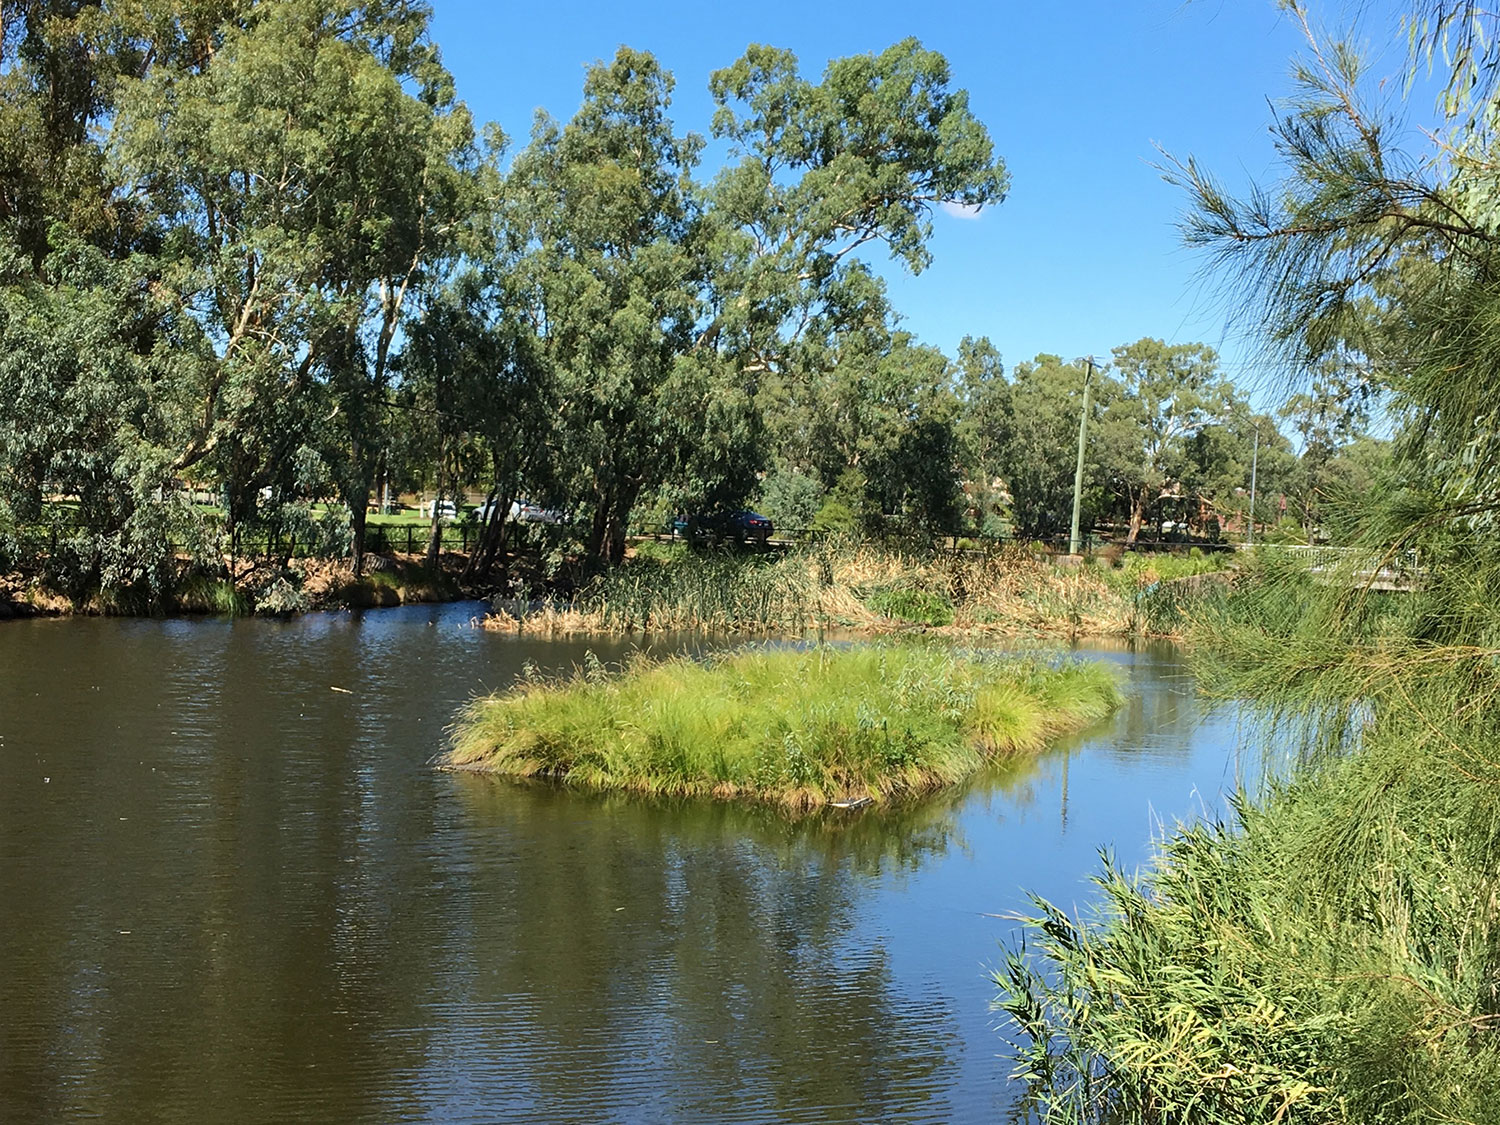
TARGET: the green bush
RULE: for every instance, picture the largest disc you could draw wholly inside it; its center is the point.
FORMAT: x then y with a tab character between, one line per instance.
920	607
836	516
659	551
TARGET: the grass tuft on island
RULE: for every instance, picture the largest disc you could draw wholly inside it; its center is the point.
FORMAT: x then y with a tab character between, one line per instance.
799	727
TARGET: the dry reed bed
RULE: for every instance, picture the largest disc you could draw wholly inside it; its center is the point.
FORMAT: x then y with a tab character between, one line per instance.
864	588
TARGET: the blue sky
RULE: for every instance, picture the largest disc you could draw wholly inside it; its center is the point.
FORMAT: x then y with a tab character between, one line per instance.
1084	254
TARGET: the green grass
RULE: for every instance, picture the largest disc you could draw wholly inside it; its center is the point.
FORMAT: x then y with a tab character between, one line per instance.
400	582
1135	570
917	607
407	517
797	727
201	593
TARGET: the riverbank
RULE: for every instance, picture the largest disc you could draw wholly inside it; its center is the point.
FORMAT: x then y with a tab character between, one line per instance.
873	589
801	728
866	588
304	585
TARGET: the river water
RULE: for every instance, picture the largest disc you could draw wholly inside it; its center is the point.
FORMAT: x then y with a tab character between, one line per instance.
229	892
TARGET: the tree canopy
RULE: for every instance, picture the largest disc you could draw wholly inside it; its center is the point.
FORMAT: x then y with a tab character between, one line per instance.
263	251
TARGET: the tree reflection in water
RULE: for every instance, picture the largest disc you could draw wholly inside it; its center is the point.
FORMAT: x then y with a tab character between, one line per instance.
700	957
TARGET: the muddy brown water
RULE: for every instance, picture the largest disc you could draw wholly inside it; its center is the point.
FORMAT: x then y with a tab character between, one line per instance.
230	893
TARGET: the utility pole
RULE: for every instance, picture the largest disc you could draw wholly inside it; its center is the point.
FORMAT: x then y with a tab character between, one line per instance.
1254	464
1083	423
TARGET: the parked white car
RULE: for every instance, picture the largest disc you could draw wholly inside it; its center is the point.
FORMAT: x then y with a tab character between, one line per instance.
480	513
521	512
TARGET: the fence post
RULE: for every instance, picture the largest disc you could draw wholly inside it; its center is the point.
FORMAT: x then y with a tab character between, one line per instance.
408	538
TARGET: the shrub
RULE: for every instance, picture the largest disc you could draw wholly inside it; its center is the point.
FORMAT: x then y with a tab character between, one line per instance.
920	607
280	598
657	551
790	498
198	592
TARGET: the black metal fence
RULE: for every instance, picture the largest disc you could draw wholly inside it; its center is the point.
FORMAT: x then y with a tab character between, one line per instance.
789	538
459	537
409	538
379	539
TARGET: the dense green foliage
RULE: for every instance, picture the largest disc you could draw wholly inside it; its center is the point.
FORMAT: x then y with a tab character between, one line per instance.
800	727
919	607
1333	954
260	252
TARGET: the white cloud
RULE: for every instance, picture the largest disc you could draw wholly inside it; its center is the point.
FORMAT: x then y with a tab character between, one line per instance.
961	210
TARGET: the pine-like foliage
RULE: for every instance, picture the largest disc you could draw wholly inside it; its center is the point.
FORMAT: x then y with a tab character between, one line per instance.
1333	954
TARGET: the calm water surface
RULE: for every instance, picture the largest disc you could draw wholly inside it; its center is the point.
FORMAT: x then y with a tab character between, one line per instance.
231	893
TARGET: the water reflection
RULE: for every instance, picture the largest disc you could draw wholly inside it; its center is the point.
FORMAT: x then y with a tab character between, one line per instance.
231	889
632	944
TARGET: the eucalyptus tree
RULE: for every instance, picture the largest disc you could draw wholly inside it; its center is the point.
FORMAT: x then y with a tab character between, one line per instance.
1168	393
301	190
1038	462
473	374
612	278
820	171
409	191
61	64
93	359
1239	449
820	175
984	428
877	429
88	375
667	310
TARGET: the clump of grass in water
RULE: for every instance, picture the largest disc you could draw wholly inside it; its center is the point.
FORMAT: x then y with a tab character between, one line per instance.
802	728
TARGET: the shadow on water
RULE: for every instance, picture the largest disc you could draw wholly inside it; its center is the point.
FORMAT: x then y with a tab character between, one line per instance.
231	889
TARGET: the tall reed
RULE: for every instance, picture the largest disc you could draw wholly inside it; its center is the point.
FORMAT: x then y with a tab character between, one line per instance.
864	586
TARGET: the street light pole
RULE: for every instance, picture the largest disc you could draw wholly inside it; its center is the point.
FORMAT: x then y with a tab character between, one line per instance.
1254	464
1083	422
